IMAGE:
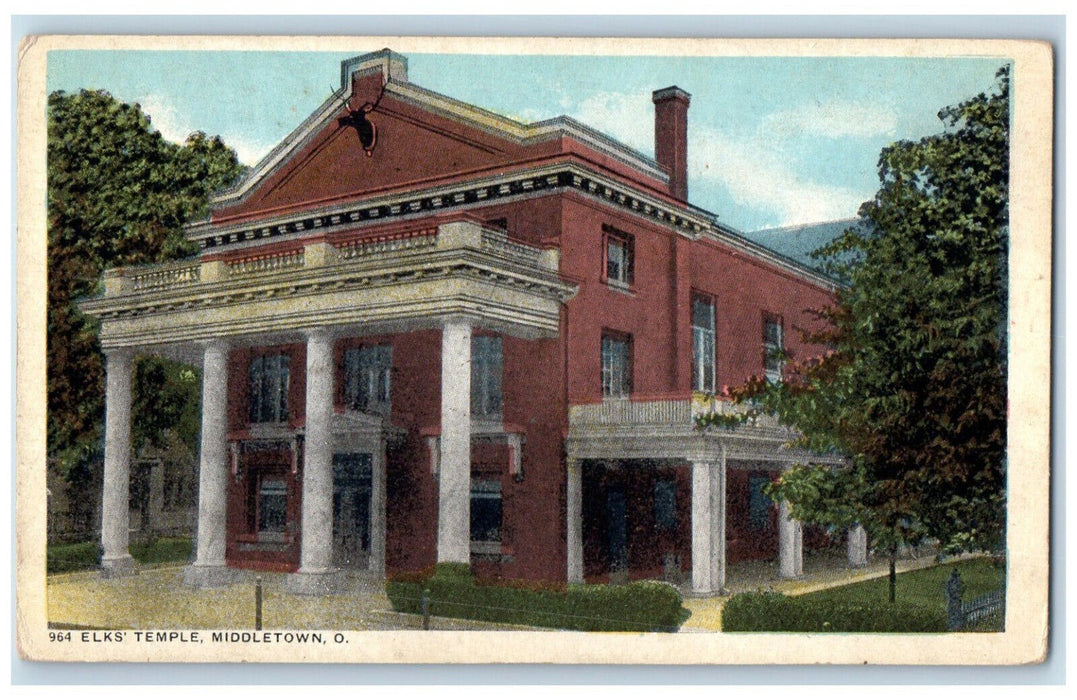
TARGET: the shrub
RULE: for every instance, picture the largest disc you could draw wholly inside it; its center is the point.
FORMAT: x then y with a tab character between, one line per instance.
774	612
641	606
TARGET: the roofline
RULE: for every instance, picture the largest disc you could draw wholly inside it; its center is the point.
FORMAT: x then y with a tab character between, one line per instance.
472	115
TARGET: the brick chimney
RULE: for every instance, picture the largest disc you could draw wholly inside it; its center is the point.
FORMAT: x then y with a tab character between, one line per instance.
671	137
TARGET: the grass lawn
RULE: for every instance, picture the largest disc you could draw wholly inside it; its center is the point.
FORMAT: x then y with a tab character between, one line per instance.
923	587
62	558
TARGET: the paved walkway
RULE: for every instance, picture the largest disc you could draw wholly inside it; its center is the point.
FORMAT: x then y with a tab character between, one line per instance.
157	599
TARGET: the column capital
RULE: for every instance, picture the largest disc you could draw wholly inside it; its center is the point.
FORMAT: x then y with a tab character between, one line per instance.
120	354
321	333
221	343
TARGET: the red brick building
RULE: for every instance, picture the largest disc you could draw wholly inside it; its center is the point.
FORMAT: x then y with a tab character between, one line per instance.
429	333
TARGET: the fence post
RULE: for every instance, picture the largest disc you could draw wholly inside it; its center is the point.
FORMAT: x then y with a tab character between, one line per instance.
955	618
258	603
426	609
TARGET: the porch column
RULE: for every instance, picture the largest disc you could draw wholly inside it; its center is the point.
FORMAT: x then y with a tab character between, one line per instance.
708	540
316	543
209	565
376	565
718	526
116	559
790	544
574	519
454	474
857	546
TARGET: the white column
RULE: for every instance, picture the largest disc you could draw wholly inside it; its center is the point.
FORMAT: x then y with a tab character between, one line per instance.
316	546
454	474
703	526
790	544
213	470
857	546
718	500
574	519
376	563
116	559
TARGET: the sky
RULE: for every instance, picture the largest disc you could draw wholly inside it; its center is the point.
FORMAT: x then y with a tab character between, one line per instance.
772	141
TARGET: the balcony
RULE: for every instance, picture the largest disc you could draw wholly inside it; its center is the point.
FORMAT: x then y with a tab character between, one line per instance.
665	428
384	283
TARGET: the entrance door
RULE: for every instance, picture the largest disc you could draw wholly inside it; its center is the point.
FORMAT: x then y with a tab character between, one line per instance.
351	509
617	532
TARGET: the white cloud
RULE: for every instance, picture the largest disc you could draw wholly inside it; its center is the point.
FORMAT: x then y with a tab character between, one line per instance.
627	117
834	119
165	118
757	174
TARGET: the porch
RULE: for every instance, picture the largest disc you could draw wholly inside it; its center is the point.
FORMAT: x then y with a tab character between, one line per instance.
637	436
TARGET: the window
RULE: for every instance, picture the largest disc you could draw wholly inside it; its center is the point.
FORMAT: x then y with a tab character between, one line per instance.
619	256
486	371
485	511
665	504
272	507
759	504
703	344
616	365
773	348
366	378
269	389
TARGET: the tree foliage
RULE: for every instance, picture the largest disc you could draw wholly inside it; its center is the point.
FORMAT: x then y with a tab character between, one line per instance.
913	387
118	194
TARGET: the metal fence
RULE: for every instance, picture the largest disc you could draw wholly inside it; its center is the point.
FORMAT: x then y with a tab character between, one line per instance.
960	613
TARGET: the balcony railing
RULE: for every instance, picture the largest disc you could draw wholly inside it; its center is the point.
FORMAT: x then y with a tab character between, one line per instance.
365	249
629	412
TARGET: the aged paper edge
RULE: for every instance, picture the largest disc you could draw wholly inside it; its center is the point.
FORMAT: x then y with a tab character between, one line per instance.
1025	638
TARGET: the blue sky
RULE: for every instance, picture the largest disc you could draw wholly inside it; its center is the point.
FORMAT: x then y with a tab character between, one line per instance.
772	141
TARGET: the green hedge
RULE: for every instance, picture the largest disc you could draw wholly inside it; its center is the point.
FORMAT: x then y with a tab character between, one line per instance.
62	558
774	612
640	606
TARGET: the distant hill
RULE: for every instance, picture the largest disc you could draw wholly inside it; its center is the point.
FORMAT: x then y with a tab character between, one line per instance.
798	242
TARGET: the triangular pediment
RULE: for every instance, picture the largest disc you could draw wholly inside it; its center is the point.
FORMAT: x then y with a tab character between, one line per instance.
422	139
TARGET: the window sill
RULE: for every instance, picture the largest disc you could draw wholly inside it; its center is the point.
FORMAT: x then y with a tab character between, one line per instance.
621	287
486	548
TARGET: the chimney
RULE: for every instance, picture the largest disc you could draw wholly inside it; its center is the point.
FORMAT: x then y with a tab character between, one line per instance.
671	137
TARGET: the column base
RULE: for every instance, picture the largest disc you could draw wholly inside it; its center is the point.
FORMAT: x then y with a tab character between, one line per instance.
199	576
119	567
717	593
330	582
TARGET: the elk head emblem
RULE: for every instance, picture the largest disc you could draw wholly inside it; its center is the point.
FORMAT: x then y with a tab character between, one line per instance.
364	128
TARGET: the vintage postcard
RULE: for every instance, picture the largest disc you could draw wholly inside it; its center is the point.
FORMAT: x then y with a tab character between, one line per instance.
389	349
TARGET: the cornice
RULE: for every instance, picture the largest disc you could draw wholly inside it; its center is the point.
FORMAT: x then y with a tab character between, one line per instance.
548	179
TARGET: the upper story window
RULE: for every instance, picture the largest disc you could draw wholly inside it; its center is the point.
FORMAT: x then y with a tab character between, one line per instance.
620	256
773	347
616	365
367	373
486	371
269	388
703	344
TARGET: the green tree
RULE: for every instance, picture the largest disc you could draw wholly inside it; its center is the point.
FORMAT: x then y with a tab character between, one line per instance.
912	389
118	194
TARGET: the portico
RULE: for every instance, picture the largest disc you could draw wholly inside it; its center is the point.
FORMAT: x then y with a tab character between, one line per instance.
454	278
640	434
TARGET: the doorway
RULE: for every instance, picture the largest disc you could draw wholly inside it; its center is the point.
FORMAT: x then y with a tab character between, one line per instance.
351	509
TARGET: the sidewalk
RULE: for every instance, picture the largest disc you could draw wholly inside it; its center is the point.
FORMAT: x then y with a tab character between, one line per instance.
157	599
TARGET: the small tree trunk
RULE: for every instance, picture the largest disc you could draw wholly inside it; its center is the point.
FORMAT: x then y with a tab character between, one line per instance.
893	573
